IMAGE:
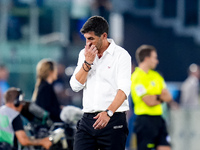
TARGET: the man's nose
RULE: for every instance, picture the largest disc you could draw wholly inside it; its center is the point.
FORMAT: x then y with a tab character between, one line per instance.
88	42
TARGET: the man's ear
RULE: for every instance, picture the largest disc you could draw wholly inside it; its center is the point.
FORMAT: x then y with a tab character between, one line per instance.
104	35
146	58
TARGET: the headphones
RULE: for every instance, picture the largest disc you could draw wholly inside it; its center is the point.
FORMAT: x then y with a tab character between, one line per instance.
19	98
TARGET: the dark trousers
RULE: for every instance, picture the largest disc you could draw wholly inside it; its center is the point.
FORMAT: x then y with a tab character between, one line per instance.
151	131
112	137
5	146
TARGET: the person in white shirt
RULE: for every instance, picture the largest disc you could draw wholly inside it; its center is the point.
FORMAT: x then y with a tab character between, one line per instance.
103	72
190	88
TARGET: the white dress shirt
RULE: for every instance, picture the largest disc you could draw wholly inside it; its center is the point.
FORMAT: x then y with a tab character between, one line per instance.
108	74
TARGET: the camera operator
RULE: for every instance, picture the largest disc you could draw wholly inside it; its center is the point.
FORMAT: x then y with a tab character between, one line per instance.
11	126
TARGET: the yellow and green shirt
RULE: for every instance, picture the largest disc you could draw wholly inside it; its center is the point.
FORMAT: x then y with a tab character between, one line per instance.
143	83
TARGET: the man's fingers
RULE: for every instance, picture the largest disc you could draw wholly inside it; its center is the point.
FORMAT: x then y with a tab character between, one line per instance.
100	123
92	48
96	123
88	46
97	116
90	53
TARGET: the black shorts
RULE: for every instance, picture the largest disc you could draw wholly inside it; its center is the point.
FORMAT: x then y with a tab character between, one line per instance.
151	132
112	137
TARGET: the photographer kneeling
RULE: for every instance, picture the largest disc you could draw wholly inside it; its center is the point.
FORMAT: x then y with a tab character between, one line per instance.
11	126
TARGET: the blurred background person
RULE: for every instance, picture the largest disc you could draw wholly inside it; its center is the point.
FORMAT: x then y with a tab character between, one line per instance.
190	88
149	91
11	125
4	74
44	94
60	86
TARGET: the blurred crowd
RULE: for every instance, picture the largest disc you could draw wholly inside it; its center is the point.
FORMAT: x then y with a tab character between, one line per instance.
79	11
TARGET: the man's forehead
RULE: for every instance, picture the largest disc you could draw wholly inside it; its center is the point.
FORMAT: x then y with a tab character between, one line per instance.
89	34
153	53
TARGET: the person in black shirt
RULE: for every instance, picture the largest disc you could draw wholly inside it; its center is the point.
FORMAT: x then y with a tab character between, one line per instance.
44	94
11	126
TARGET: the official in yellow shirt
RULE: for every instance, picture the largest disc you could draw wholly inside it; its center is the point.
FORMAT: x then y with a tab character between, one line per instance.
148	91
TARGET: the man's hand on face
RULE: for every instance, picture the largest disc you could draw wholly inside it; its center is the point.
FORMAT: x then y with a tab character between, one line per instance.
90	52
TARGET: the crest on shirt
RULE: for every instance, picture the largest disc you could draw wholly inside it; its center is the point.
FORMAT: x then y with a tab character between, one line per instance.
153	83
140	90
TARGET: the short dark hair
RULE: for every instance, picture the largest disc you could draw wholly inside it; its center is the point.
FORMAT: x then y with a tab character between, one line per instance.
97	24
11	95
143	51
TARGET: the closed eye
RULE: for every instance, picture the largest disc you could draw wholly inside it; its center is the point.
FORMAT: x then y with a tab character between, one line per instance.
90	38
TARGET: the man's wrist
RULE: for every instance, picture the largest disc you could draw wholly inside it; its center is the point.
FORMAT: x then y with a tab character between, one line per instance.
86	69
158	98
88	63
109	113
51	139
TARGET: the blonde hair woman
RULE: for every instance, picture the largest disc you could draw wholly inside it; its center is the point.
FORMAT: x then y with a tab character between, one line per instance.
44	94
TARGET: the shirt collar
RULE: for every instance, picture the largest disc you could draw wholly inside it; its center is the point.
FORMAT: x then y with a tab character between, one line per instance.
138	68
111	47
